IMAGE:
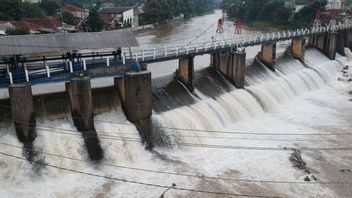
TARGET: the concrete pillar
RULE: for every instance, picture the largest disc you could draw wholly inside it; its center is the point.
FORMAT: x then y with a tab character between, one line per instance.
298	48
81	103
348	39
231	65
342	42
135	91
21	100
185	72
326	42
330	47
239	69
320	41
268	55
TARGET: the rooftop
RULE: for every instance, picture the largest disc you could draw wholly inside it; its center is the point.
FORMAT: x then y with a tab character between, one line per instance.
50	43
72	8
36	24
115	10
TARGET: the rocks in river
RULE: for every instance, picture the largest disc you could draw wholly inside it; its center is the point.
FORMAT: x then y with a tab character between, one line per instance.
314	178
307	179
345	78
346	67
297	160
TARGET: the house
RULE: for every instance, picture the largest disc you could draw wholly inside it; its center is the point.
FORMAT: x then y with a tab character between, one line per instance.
120	17
78	12
335	5
4	25
46	25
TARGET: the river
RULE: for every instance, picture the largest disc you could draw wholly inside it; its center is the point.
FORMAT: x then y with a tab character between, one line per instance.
219	142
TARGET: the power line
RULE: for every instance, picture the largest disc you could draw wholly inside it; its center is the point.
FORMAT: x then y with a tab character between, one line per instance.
137	182
208	145
181	174
103	134
210	131
211	146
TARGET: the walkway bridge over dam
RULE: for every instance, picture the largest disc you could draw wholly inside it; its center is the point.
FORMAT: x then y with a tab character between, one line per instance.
34	59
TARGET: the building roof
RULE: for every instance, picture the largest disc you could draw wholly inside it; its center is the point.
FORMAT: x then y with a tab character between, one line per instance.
4	25
106	18
303	2
36	24
115	10
72	8
50	43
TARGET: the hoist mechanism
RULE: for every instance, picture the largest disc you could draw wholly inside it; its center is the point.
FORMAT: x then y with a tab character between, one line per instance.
220	26
317	20
238	26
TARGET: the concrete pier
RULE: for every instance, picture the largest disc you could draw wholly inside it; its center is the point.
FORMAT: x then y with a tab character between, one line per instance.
325	42
231	65
342	42
318	41
80	98
330	46
21	101
268	55
135	91
348	38
185	72
298	48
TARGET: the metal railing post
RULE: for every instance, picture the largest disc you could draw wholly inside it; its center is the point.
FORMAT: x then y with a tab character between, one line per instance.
47	71
27	75
123	58
71	67
84	64
11	79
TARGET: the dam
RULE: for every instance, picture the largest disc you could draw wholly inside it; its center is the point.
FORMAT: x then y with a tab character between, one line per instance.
219	137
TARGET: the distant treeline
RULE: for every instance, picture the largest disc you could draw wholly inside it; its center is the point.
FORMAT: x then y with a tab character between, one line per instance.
163	10
274	12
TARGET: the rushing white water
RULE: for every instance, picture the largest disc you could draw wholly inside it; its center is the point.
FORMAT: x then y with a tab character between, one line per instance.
268	105
296	99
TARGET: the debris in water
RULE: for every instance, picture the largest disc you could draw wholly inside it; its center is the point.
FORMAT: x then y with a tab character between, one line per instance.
306	179
314	178
297	160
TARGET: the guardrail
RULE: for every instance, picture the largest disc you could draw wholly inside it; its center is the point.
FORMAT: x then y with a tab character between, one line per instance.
160	54
59	68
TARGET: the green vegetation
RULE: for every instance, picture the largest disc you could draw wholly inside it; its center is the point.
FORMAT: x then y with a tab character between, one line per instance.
94	22
49	7
68	18
15	10
274	12
10	10
31	10
17	31
163	10
348	3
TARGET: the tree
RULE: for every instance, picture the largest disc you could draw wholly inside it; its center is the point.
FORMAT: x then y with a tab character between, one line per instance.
306	15
49	7
10	10
17	31
95	24
68	18
31	10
